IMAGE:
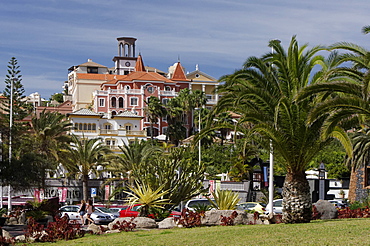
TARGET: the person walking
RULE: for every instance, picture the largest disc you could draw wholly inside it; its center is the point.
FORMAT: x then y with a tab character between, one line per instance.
90	209
82	211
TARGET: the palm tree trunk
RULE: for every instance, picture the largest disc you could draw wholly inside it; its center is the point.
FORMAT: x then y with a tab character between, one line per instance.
85	190
297	204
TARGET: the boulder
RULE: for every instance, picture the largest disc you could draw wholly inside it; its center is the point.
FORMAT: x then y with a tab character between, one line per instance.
326	209
6	234
12	221
167	223
141	222
95	229
213	217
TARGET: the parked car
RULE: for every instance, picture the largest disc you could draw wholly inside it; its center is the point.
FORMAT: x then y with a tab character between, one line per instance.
71	211
193	203
117	210
338	204
277	207
134	210
256	206
107	211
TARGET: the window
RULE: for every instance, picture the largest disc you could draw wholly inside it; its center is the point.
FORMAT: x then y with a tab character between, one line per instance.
128	127
164	130
150	89
113	102
92	70
367	177
85	127
101	102
120	102
107	126
167	88
165	101
134	101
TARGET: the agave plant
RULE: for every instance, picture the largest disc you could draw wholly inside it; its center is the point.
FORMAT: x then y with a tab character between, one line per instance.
224	199
149	198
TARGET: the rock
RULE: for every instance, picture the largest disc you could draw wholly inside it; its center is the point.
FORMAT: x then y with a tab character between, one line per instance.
213	217
12	221
141	222
6	234
95	229
112	231
326	209
23	239
167	223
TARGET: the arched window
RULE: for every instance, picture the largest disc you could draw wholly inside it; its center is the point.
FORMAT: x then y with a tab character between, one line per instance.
89	127
113	102
94	127
120	102
80	127
85	127
114	113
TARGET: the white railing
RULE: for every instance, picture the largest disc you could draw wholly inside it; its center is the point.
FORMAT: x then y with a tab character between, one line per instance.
136	133
168	93
108	131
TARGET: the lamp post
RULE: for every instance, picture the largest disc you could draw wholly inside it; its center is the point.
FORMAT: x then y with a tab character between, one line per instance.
322	181
10	139
199	142
271	167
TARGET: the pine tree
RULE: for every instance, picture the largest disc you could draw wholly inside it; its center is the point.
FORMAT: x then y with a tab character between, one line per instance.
19	105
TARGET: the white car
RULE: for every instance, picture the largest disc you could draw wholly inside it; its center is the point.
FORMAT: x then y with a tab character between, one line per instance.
107	211
192	204
71	211
277	207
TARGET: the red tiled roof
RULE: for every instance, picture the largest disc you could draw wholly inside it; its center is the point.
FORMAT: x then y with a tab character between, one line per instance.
179	74
139	67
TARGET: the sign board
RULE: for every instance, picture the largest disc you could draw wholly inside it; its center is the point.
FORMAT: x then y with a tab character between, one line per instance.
93	192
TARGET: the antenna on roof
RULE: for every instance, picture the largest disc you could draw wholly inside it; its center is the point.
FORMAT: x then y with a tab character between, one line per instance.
196	67
178	58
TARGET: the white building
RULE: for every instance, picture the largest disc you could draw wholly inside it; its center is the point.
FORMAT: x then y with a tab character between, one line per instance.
116	130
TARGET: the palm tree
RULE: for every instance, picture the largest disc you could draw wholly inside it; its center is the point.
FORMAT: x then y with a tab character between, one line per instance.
83	157
49	137
133	156
49	132
365	29
264	93
153	111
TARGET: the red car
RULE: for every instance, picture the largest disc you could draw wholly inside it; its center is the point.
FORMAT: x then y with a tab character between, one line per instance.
134	210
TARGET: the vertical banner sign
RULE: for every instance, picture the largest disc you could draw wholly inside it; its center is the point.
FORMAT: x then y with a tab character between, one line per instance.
266	176
39	194
106	192
62	193
211	187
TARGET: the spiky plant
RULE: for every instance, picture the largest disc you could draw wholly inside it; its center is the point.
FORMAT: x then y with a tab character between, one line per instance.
224	199
149	198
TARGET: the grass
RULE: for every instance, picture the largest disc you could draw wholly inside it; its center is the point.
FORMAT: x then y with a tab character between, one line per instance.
330	232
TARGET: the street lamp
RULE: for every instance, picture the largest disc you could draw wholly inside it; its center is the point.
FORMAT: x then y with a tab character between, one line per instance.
199	142
10	139
271	174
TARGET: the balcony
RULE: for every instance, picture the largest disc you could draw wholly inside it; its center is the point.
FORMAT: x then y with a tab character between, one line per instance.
136	133
108	132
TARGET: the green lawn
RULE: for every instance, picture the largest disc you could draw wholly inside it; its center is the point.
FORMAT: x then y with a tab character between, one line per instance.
332	232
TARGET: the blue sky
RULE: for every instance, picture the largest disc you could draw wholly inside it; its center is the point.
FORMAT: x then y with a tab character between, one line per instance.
49	36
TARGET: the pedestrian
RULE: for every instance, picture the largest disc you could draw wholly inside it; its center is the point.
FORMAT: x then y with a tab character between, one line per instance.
82	211
90	209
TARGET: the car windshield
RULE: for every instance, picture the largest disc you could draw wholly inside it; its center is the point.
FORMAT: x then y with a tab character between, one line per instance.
198	203
278	203
105	210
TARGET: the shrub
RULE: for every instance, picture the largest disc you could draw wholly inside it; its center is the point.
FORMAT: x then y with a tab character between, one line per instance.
58	230
228	221
124	225
189	218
